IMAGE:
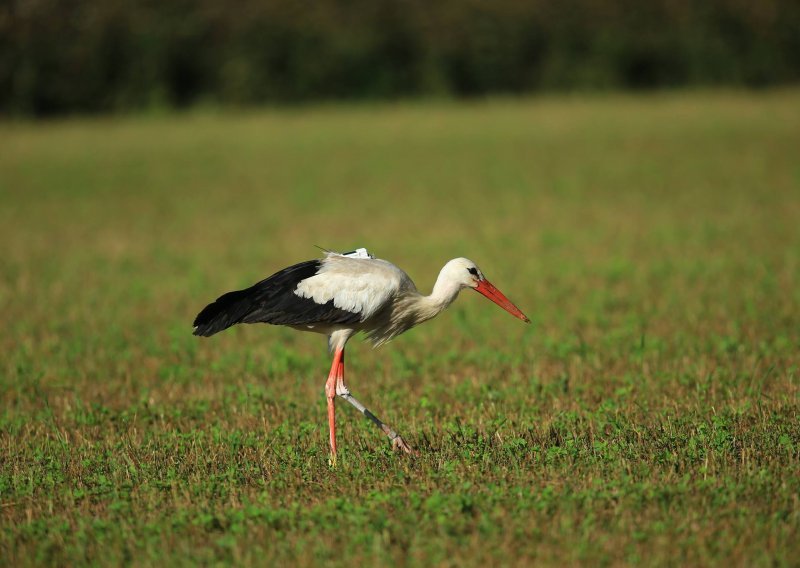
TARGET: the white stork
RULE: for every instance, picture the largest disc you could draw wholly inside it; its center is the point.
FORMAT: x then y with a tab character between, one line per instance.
341	295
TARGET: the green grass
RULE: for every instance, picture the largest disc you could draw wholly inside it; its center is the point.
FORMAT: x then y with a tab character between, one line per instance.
648	415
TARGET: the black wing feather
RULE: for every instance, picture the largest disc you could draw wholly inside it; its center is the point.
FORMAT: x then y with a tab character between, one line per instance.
271	301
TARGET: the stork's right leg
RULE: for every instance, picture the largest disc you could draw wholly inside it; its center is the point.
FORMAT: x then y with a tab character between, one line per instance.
330	394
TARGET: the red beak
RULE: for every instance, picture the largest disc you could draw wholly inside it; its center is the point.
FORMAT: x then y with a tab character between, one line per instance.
487	289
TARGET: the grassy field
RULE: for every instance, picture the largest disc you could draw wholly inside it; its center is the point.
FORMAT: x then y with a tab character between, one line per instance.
650	414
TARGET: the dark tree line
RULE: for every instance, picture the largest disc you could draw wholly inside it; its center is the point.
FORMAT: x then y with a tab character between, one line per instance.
62	56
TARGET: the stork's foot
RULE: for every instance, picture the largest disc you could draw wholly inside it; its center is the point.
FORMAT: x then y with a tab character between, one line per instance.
399	444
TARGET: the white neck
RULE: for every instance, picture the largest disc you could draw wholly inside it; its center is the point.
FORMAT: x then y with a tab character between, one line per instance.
413	308
445	291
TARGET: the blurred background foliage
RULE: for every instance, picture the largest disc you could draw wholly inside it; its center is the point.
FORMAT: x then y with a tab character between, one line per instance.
68	56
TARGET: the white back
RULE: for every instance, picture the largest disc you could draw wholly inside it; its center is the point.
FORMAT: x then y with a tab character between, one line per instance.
358	285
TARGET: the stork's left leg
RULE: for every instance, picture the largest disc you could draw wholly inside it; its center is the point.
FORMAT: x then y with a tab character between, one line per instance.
341	389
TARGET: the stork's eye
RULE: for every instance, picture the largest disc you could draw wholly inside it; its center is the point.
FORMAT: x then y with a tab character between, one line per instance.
472	270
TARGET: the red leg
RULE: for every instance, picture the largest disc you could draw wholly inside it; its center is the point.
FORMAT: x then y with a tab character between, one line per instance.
330	394
340	371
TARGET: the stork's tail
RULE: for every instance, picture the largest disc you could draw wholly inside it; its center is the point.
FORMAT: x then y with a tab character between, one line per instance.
229	309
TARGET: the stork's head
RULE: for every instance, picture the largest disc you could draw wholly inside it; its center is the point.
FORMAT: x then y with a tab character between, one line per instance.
466	274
